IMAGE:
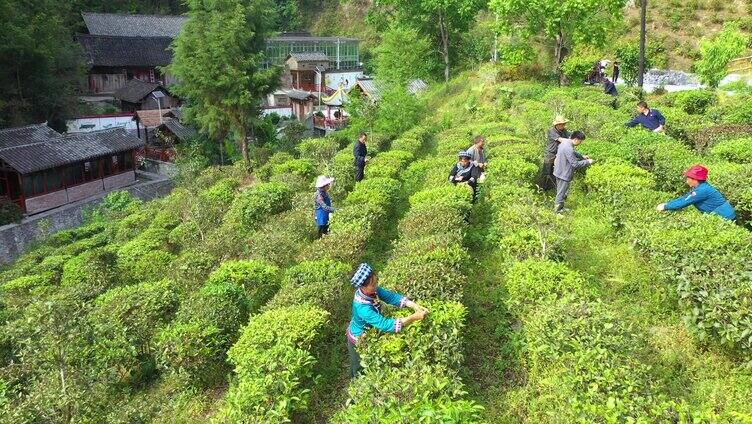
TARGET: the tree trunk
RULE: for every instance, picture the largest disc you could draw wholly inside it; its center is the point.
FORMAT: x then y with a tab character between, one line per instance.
243	138
444	44
559	58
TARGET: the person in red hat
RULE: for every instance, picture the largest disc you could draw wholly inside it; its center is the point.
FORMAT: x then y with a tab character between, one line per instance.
705	197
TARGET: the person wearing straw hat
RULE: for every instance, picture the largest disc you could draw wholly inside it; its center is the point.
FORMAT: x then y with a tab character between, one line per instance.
366	311
705	197
465	171
322	203
556	134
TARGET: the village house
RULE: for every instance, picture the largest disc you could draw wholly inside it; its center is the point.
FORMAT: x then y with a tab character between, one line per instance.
141	95
41	169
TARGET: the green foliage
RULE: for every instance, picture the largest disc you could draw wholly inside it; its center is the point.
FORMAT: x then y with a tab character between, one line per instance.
578	64
379	191
274	365
312	283
404	54
91	273
319	150
43	66
737	151
695	102
9	212
398	111
628	54
717	52
459	197
260	279
531	282
124	320
221	50
254	204
389	164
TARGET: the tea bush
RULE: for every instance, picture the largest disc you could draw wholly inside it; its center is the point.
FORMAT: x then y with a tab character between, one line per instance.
738	151
695	102
256	203
311	283
531	282
273	364
259	279
389	164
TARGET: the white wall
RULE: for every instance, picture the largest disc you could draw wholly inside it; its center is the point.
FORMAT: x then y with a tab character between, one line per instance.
101	123
333	79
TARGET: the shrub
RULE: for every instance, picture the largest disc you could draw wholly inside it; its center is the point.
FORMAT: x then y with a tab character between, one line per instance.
695	102
738	151
578	65
280	240
343	171
260	279
303	168
20	292
319	150
432	394
314	283
437	274
610	180
266	171
192	268
420	173
150	266
124	321
91	273
251	206
458	197
389	164
379	191
512	170
427	219
717	52
148	241
205	326
274	365
531	282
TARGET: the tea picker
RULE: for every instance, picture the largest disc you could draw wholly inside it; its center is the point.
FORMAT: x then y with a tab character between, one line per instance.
366	311
322	203
705	197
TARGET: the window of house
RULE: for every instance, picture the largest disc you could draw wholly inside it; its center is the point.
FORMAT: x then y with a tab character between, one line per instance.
128	161
53	180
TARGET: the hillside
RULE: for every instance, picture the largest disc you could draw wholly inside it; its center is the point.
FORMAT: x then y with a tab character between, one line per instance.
218	304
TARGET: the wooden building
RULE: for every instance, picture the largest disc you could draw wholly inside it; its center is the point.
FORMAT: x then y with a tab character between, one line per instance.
303	69
141	95
41	169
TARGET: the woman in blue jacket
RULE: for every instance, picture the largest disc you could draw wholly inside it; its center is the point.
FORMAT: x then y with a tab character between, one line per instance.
366	311
705	197
322	203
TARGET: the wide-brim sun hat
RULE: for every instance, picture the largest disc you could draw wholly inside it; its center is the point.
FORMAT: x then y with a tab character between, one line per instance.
560	119
323	181
697	172
464	154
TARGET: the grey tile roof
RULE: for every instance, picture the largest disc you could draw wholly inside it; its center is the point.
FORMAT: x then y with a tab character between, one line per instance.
124	25
135	90
29	134
69	148
309	56
103	50
292	38
416	86
182	132
369	87
298	94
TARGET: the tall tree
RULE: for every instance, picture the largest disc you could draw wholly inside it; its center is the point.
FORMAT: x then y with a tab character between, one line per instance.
403	55
442	20
219	62
717	51
562	22
42	66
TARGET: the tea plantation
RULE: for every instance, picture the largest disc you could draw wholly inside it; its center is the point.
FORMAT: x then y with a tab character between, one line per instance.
218	304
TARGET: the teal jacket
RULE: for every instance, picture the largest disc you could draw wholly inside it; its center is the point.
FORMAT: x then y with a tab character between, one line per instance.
707	199
366	313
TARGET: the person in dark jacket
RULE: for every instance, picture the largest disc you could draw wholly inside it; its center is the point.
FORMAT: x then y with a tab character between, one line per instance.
568	160
650	119
617	71
366	311
322	203
705	197
556	134
609	87
360	152
465	171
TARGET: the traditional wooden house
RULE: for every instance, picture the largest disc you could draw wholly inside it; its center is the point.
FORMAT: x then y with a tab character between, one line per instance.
303	104
120	47
148	120
141	95
41	169
306	70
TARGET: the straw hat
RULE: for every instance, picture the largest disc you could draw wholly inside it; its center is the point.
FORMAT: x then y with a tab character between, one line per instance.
323	180
560	120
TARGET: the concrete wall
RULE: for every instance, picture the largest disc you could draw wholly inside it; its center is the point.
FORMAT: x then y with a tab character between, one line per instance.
15	238
119	180
46	201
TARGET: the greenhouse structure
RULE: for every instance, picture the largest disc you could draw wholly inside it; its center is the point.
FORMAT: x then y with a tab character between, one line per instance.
343	53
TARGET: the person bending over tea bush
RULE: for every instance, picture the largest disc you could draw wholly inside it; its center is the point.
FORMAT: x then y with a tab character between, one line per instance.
567	161
650	119
465	171
366	311
323	203
705	197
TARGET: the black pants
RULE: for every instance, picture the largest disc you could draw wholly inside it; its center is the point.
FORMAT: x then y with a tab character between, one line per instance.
546	174
323	229
355	367
359	172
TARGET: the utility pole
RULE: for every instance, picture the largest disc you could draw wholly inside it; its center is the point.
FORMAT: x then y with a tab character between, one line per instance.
643	13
